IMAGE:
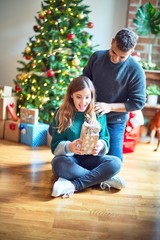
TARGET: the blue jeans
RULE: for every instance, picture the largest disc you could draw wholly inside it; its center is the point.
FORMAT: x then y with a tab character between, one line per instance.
87	170
116	131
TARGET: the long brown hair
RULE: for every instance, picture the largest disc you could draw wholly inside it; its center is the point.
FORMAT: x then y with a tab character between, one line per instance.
67	109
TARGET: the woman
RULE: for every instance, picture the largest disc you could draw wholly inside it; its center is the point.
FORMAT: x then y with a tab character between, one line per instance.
76	170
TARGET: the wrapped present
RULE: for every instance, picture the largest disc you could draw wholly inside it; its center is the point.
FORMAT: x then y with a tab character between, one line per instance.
33	134
2	128
12	112
12	130
5	91
89	137
29	115
4	101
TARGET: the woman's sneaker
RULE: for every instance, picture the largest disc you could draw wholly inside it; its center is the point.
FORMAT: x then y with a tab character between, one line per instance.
62	187
115	182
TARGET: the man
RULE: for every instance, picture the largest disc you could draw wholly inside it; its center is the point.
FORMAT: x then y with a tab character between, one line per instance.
120	85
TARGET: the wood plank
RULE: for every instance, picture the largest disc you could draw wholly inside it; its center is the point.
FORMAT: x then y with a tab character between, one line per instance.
28	212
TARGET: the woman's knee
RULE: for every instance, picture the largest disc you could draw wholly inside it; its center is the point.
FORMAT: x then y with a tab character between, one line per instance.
56	162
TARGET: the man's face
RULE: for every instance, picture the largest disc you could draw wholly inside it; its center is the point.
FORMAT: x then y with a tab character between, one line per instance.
117	55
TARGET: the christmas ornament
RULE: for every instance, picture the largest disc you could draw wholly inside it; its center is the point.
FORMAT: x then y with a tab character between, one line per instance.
12	126
27	50
36	28
71	36
19	77
90	25
27	57
22	129
50	73
17	88
51	58
49	12
21	126
42	14
33	65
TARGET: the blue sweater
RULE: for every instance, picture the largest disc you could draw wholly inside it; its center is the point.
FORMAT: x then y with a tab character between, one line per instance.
123	82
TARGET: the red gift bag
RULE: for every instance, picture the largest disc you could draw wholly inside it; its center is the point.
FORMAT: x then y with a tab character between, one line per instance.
130	140
132	131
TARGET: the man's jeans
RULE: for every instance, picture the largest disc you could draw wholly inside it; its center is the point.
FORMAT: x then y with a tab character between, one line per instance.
116	131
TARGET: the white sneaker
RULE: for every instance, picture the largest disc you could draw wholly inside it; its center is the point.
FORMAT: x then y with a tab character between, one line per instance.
115	182
62	187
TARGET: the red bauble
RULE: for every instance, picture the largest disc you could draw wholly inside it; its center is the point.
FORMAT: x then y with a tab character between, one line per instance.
17	88
71	36
49	12
27	57
90	25
50	73
36	28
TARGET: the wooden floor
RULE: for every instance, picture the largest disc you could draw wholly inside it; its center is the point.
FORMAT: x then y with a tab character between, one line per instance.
28	212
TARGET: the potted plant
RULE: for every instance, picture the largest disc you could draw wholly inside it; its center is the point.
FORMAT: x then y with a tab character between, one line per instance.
147	22
153	91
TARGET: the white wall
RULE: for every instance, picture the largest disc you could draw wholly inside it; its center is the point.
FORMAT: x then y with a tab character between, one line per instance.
17	18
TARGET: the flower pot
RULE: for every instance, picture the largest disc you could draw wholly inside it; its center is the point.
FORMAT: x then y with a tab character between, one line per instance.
152	99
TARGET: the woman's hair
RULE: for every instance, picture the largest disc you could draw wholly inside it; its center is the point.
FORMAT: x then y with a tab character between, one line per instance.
67	110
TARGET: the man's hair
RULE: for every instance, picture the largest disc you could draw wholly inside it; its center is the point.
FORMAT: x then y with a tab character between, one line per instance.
126	39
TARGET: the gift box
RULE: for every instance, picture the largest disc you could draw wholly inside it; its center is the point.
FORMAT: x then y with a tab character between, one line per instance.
89	137
4	101
5	91
33	134
29	115
12	130
2	128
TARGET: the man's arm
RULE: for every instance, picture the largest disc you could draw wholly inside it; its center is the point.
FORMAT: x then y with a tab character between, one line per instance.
102	108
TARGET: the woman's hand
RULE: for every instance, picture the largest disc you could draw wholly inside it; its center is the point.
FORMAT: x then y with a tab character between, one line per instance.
75	146
97	148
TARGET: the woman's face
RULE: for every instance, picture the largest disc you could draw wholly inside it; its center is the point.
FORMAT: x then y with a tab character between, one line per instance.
82	99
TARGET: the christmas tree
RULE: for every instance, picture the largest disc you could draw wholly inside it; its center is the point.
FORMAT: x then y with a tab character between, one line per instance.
56	54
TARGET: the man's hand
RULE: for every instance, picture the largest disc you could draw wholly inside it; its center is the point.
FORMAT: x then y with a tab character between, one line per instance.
102	108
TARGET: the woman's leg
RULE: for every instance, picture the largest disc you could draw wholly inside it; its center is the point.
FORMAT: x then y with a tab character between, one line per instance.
67	167
101	169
